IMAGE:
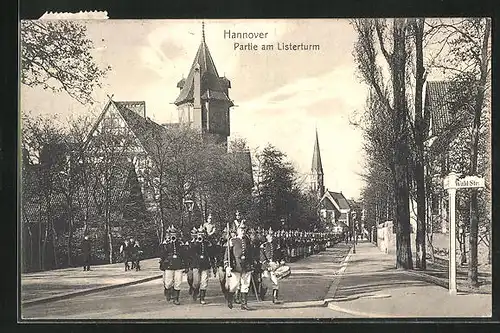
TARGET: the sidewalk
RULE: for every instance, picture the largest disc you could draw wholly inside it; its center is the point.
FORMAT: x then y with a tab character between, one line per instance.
50	285
370	286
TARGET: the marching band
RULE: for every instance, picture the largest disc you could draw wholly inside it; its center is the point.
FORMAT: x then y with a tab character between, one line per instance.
244	260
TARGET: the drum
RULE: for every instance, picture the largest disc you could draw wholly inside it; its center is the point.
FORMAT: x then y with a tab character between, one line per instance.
282	272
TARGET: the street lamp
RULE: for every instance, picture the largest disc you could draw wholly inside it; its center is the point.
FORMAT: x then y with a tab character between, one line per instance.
353	216
189	205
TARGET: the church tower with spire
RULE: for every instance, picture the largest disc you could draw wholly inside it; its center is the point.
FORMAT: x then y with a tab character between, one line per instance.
203	102
317	184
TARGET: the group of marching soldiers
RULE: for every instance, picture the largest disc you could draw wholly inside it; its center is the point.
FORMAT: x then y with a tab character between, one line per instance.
253	260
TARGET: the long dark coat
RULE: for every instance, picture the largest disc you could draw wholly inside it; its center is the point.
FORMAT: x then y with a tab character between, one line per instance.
86	249
172	256
241	255
201	255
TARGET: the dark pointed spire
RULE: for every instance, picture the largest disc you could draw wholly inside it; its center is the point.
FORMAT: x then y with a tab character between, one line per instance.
317	166
203	31
210	80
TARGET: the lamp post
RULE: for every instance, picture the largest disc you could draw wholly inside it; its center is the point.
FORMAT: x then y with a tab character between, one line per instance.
188	204
353	216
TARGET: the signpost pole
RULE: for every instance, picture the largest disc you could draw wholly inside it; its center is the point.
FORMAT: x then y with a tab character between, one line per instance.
452	284
451	184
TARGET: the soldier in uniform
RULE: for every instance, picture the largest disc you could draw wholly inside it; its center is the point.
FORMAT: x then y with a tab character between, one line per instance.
210	228
271	257
173	264
189	273
257	272
236	223
219	249
238	266
201	255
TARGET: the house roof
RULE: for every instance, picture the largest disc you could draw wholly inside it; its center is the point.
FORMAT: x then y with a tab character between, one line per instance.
212	86
340	199
446	120
317	166
143	128
437	101
138	107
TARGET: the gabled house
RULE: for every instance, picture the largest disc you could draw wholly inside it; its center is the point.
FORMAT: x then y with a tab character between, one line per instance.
335	209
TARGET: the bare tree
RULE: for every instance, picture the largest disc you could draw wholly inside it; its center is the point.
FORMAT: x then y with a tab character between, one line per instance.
42	142
57	55
468	63
109	151
374	35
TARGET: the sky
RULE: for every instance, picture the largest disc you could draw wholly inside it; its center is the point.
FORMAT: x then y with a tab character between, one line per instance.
280	97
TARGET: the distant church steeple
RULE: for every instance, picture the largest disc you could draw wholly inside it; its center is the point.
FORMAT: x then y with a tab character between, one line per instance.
317	184
203	100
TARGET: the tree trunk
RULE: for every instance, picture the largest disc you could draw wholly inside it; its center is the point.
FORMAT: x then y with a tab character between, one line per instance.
54	244
478	108
44	246
489	245
420	132
162	214
401	153
110	242
463	250
70	236
472	274
31	250
40	255
402	220
108	236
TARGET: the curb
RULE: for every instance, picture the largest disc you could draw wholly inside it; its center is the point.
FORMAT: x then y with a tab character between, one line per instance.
330	295
432	279
362	314
444	283
86	291
290	305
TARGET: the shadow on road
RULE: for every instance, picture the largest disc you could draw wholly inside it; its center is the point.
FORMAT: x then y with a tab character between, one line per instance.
358	285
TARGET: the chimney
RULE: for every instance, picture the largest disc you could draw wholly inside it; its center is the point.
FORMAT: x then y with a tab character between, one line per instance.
197	98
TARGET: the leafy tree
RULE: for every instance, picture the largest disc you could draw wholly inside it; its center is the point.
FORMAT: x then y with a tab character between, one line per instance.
108	152
372	36
275	186
467	62
56	55
44	159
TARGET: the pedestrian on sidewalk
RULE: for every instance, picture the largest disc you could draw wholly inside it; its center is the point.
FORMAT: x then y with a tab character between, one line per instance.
136	256
125	252
132	253
86	251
